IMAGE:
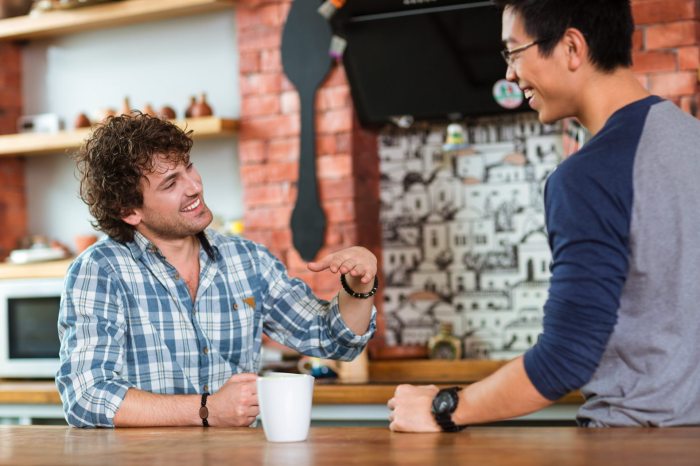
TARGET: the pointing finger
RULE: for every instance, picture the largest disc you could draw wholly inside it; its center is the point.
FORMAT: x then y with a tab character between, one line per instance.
321	264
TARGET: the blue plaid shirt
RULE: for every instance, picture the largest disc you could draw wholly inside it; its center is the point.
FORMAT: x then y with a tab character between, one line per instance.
127	320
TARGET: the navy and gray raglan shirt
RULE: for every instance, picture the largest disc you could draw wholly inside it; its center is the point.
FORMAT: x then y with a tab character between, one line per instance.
622	319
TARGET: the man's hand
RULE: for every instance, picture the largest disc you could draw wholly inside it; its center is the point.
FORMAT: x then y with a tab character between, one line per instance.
236	403
359	267
357	262
411	409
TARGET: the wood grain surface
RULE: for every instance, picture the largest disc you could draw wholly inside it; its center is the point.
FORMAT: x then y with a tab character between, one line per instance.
507	446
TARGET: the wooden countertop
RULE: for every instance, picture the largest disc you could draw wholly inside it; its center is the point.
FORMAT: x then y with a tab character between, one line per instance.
45	392
506	446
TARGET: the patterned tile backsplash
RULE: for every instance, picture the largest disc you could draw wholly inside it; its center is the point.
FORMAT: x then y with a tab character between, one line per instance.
463	231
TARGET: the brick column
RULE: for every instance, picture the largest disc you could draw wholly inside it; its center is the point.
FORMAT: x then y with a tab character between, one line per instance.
666	53
13	203
347	162
347	159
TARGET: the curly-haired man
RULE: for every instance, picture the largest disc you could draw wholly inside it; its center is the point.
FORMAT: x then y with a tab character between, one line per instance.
164	311
621	322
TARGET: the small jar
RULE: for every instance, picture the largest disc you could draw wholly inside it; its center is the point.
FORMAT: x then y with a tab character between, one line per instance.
445	345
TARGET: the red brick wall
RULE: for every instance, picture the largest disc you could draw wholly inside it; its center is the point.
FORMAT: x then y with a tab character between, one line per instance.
347	163
13	205
666	53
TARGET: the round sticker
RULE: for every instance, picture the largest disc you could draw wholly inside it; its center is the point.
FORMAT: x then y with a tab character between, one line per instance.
507	94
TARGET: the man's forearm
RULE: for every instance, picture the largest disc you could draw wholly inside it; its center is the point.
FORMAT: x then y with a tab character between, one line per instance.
143	409
356	313
505	394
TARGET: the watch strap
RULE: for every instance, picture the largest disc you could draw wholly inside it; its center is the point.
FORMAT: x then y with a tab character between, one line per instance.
444	418
445	422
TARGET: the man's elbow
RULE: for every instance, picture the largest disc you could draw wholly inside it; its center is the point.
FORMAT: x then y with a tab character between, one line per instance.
556	372
78	415
75	417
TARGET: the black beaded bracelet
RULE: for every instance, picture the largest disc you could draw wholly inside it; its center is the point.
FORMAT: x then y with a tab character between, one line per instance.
355	294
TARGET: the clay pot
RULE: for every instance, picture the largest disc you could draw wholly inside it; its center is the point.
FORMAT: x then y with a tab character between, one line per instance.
82	242
10	8
202	108
148	110
82	121
105	113
188	111
126	107
167	113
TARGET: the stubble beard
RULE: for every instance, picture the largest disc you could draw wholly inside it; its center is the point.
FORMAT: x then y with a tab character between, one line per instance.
168	228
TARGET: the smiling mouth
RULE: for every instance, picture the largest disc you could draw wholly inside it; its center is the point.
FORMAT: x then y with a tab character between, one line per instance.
528	93
193	205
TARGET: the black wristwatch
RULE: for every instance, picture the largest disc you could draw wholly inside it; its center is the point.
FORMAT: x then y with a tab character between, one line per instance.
444	404
204	411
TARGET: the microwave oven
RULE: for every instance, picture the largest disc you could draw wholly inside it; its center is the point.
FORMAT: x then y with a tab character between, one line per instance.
29	344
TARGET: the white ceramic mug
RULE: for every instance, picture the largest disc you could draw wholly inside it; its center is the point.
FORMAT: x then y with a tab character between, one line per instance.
285	406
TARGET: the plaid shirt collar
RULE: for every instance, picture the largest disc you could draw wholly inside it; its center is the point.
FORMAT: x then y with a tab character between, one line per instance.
140	245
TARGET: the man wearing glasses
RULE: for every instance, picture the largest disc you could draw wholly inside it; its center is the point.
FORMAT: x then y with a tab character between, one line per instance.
622	318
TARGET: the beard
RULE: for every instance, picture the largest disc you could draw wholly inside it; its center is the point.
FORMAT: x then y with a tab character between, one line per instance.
176	227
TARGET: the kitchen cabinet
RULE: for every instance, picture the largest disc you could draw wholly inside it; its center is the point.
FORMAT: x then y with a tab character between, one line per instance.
104	15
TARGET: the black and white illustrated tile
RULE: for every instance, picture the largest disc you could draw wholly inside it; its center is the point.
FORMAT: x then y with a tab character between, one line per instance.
463	234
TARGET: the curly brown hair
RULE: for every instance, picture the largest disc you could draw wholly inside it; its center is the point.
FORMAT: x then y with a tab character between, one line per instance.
115	157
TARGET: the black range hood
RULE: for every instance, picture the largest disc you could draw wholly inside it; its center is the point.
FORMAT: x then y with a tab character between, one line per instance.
435	60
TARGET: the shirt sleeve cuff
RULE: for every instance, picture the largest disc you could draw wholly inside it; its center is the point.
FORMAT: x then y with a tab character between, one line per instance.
114	398
343	334
105	399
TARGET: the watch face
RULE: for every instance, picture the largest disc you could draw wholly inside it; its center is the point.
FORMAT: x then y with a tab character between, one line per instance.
443	403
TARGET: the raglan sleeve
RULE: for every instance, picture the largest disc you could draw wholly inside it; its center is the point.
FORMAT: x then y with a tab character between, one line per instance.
588	223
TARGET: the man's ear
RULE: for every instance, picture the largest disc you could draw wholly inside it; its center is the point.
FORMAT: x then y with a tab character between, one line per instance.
133	217
576	48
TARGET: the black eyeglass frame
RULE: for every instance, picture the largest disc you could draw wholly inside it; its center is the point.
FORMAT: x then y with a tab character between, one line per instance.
508	54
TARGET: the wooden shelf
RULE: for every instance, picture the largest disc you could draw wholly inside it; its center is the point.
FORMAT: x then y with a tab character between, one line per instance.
62	22
383	374
49	269
39	144
45	392
432	371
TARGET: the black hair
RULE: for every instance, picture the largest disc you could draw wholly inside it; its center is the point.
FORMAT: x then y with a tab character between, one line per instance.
607	26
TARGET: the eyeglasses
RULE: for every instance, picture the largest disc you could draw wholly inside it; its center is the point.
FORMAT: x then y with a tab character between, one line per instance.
508	55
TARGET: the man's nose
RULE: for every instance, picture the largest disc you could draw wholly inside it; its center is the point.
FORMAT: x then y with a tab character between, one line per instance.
510	74
194	186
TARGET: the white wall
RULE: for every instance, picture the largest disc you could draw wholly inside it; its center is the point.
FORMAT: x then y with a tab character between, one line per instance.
159	63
